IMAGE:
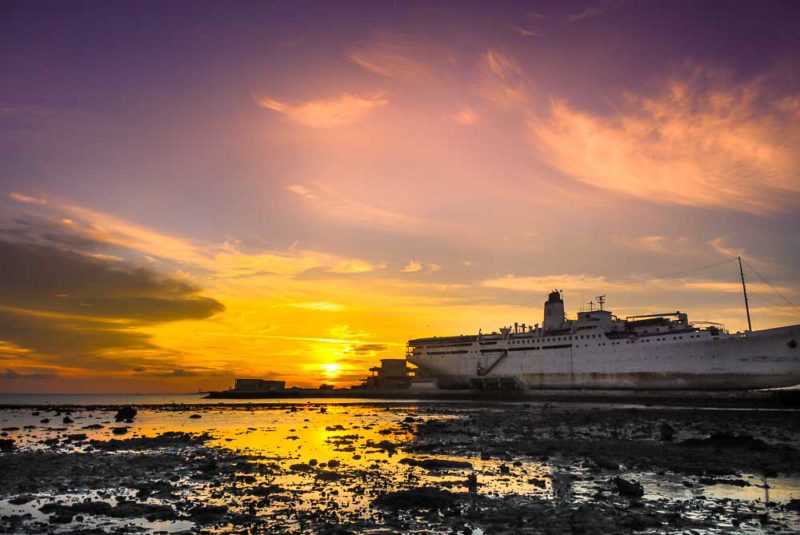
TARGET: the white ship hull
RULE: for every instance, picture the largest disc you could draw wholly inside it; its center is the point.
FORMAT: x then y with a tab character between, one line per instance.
695	360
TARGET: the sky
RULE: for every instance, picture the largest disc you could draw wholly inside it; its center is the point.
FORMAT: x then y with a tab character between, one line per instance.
196	191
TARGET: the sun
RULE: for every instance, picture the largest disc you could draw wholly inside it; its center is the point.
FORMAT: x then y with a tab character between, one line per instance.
331	369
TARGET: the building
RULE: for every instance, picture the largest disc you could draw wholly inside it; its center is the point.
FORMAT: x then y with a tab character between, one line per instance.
391	374
258	385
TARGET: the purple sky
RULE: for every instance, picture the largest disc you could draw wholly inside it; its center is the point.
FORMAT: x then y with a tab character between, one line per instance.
376	170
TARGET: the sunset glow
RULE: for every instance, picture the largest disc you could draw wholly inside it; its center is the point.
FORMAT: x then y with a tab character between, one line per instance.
259	190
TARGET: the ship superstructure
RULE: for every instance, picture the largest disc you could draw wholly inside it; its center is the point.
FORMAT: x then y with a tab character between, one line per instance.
598	350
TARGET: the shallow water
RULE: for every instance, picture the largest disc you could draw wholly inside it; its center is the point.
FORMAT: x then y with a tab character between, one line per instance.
295	444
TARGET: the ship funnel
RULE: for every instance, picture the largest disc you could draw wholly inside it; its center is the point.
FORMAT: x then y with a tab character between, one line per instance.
553	312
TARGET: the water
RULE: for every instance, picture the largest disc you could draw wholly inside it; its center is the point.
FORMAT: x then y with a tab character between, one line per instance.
330	459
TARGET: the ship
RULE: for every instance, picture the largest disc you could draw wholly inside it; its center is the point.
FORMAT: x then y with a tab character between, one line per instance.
599	350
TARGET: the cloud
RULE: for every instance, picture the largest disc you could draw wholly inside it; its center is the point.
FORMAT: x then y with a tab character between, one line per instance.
325	306
466	116
394	56
346	208
662	245
700	143
341	110
524	32
12	375
501	80
590	12
65	306
27	199
412	267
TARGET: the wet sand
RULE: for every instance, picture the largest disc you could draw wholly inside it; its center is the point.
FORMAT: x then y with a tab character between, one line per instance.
322	467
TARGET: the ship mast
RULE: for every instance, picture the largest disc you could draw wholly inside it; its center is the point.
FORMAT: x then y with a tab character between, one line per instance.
744	290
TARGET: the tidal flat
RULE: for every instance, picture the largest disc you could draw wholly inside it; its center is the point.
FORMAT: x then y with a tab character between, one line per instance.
399	467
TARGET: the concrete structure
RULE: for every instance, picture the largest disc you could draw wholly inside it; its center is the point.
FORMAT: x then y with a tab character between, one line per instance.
258	385
602	351
391	374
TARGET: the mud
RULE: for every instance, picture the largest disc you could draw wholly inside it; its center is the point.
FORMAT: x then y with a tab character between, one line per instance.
410	468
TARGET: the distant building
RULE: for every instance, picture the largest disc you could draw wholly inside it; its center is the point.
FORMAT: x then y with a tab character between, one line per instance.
326	387
391	374
258	385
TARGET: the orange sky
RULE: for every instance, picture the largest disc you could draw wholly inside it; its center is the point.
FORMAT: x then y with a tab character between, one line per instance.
261	193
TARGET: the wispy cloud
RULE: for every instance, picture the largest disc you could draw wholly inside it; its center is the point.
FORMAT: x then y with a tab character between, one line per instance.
412	267
341	110
394	56
466	116
341	206
27	199
700	143
501	79
590	12
524	32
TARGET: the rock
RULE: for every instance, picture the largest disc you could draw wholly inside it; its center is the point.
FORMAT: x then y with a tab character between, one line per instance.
793	504
119	430
68	420
631	489
726	441
92	426
666	432
504	469
300	467
333	463
126	414
195	416
437	464
605	463
328	475
417	498
7	445
721	481
206	514
77	437
472	483
312	462
21	499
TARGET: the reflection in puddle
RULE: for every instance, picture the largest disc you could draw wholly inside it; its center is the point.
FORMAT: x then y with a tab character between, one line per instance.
296	468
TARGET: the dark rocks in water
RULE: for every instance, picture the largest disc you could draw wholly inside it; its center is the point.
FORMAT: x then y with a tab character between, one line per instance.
640	522
266	490
328	475
666	433
631	489
164	440
793	504
119	430
195	416
44	421
68	420
300	467
126	414
77	437
605	463
437	464
504	469
333	463
92	426
726	441
21	499
123	509
720	481
7	444
417	498
540	483
472	483
207	514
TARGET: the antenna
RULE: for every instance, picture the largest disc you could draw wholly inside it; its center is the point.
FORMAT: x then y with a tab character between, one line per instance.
744	290
601	300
